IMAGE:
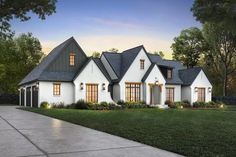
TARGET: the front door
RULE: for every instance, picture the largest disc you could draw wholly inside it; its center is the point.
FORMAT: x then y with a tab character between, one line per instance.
155	94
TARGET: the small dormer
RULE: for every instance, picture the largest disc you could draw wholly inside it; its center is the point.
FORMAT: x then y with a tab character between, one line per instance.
169	73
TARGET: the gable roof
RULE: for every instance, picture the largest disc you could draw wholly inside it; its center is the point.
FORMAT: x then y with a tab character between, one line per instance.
40	73
100	65
148	72
120	62
189	75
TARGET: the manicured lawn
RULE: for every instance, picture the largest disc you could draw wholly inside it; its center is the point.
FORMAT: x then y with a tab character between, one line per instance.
187	132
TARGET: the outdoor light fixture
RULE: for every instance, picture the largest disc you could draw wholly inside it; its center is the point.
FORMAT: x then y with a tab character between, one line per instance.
156	80
37	85
18	89
195	89
103	86
81	86
209	89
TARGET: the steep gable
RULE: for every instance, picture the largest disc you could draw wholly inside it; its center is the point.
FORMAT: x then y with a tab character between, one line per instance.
189	75
54	66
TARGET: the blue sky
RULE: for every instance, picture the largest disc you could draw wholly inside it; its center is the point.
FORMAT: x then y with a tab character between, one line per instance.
99	25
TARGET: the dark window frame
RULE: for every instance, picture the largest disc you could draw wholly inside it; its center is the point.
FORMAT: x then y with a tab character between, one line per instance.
133	92
142	63
170	94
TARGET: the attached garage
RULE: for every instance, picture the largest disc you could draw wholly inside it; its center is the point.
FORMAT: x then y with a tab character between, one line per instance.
34	96
28	96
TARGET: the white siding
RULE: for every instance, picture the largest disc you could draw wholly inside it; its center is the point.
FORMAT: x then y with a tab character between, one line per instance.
154	75
108	67
177	91
186	93
92	74
134	73
116	92
201	81
46	93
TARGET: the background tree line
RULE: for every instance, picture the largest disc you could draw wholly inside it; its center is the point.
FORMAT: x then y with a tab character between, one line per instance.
214	46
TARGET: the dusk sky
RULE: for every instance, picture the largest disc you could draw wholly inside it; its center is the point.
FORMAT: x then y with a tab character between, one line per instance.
99	25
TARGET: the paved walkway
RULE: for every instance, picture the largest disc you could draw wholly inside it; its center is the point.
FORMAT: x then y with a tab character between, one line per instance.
26	134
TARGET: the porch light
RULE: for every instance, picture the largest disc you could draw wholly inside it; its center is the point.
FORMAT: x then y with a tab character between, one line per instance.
37	85
221	106
81	86
209	89
156	80
195	89
18	89
103	86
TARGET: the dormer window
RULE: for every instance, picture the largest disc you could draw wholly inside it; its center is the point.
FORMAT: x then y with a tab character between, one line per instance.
169	73
142	63
72	59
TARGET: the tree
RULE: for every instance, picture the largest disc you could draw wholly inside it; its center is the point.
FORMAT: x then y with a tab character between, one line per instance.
221	56
221	12
113	50
189	46
10	9
18	57
96	54
160	53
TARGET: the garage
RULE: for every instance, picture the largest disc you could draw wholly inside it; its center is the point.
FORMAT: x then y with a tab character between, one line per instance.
28	96
34	96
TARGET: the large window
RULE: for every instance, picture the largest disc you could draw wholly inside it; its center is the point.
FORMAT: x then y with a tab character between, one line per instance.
92	93
56	89
142	63
132	92
170	94
72	59
201	94
169	73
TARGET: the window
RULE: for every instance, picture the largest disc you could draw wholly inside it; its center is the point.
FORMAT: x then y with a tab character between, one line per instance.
170	94
142	63
132	92
201	94
169	73
56	89
72	59
92	93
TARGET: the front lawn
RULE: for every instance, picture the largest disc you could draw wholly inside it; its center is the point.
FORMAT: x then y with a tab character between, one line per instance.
187	132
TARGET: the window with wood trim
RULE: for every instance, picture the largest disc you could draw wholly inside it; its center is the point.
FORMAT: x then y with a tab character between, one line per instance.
170	94
201	94
72	59
169	73
92	93
56	89
132	92
142	63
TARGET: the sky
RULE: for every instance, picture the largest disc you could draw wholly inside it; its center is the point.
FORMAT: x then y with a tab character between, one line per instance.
99	25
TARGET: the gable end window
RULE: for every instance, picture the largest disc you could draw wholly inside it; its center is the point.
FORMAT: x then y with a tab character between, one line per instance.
56	89
142	63
169	73
72	59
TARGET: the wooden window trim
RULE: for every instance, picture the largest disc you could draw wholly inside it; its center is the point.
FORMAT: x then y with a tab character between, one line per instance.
133	92
169	95
72	59
171	73
91	92
56	89
201	94
142	63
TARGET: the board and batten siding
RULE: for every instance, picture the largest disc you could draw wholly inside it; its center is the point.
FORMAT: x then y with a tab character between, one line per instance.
91	74
61	63
134	73
46	93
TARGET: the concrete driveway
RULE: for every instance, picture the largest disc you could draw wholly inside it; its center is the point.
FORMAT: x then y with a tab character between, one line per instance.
24	133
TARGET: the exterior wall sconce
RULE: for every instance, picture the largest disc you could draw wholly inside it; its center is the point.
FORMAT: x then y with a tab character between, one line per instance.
209	90
103	86
195	89
81	86
156	81
37	85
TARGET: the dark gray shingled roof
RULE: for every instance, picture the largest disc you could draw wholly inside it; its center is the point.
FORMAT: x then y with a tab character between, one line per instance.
120	62
148	72
189	75
39	73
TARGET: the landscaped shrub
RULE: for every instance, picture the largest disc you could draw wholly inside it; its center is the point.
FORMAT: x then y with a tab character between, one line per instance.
81	104
186	104
199	104
140	104
121	102
170	104
113	106
58	105
45	105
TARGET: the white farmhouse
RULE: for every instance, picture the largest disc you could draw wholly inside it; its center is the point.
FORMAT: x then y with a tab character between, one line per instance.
68	75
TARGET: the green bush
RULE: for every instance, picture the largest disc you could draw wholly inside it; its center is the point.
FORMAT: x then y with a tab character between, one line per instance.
58	105
129	105
45	105
186	104
121	102
199	104
81	104
170	104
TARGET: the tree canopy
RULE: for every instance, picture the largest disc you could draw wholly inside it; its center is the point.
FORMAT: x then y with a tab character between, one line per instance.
96	54
18	9
189	46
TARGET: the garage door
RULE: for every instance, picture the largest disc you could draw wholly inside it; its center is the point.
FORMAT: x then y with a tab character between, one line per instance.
28	96
35	96
22	97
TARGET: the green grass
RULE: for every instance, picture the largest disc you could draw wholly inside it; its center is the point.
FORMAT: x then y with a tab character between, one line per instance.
187	132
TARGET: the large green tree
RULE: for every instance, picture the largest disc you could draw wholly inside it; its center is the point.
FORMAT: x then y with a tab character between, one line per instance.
19	9
189	46
18	57
221	12
221	56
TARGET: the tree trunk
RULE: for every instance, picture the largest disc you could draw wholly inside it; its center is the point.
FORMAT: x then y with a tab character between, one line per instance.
225	82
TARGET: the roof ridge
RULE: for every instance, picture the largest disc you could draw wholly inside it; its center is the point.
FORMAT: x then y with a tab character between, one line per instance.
132	48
